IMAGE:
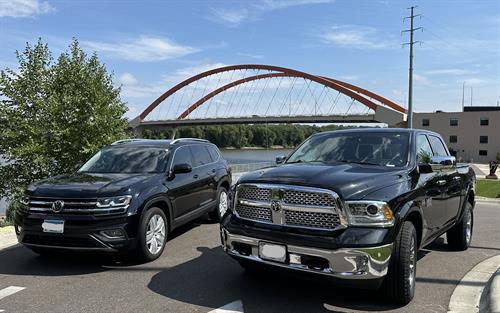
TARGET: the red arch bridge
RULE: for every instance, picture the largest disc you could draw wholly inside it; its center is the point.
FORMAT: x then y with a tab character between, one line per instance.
258	94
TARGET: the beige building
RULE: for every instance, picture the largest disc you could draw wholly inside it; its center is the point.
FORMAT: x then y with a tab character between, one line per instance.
472	135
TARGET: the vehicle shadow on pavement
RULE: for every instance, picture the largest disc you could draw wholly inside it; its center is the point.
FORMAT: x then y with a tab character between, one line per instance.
213	280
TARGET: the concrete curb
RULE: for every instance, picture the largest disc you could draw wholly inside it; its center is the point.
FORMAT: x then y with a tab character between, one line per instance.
494	294
466	297
7	238
484	199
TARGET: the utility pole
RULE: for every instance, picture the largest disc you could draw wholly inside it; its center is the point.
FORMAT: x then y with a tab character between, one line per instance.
470	96
411	30
463	95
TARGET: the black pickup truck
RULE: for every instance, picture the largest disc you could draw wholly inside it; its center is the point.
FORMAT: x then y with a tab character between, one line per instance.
355	205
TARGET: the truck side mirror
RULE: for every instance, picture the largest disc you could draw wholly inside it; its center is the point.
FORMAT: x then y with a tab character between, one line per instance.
442	163
425	168
280	159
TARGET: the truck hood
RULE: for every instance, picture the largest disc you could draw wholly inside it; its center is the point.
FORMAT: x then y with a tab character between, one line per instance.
84	185
350	181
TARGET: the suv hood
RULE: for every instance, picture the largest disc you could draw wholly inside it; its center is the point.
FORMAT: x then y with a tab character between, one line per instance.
350	181
86	185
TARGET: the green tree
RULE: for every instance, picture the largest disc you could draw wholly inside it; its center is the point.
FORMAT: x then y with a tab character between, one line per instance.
54	115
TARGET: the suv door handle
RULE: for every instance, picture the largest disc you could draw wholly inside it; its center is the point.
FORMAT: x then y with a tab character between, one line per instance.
441	182
195	176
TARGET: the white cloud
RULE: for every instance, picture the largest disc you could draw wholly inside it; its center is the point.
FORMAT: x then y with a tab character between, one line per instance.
348	77
474	81
253	10
229	16
354	36
24	8
128	79
142	49
251	56
448	71
421	79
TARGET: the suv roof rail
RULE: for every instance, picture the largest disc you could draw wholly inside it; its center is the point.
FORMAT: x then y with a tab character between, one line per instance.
126	140
188	139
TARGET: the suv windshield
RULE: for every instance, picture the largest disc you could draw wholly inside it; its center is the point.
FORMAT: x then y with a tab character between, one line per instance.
127	160
371	147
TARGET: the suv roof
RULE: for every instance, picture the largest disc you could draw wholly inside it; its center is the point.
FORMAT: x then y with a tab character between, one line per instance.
156	142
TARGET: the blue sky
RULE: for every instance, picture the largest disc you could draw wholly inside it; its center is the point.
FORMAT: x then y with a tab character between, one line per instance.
151	45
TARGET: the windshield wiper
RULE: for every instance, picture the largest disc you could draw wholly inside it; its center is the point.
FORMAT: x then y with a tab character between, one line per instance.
359	162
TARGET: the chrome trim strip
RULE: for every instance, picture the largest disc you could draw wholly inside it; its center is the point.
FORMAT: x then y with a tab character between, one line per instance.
345	263
339	208
36	202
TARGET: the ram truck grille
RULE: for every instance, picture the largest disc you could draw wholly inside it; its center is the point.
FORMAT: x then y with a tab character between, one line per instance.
294	206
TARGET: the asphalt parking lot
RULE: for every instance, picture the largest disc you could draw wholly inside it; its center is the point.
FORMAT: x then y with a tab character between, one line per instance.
194	275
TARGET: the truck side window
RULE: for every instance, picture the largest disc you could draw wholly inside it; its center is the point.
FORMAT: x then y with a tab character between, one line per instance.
437	146
182	155
424	151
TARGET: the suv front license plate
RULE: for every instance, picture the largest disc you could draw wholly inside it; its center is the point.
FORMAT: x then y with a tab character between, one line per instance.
272	252
53	226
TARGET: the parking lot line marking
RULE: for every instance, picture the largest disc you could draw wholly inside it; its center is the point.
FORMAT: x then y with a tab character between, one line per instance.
10	291
233	307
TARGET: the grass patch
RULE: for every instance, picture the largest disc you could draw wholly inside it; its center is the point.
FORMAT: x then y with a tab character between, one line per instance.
488	188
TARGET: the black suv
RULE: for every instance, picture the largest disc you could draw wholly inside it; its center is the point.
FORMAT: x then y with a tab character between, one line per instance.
126	198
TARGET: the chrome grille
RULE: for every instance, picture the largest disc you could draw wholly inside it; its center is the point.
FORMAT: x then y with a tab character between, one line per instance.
312	219
254	193
308	198
303	207
72	206
254	213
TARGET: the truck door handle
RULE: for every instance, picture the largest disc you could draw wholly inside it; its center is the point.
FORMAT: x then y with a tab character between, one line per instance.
441	182
457	178
195	176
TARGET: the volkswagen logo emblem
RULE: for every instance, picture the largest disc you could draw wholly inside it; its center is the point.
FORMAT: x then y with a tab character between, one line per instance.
58	206
276	205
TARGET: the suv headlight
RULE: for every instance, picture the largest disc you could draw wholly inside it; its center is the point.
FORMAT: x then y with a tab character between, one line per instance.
113	202
369	213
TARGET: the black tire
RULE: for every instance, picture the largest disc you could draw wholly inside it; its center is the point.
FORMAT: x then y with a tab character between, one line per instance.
460	236
142	251
215	214
399	284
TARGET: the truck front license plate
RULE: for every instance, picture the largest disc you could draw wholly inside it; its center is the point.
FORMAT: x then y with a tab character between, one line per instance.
53	226
272	252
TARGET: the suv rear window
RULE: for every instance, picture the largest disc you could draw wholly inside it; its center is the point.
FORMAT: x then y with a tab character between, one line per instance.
201	155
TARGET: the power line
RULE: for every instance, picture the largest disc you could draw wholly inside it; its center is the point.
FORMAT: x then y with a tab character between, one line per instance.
411	30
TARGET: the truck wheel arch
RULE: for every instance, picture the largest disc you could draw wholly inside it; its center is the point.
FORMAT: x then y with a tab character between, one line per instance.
412	213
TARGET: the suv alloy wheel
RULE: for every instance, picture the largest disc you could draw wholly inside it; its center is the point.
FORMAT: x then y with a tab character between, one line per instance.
152	234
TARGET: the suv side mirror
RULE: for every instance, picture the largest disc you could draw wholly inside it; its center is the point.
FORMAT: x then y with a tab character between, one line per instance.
280	159
182	168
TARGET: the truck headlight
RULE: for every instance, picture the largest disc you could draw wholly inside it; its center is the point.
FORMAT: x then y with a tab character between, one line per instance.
369	213
113	202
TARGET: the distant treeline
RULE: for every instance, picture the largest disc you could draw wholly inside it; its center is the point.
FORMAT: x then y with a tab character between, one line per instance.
238	136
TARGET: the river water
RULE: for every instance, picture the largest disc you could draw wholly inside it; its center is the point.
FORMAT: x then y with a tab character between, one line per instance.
233	156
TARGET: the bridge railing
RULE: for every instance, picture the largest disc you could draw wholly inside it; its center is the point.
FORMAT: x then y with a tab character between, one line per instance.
248	167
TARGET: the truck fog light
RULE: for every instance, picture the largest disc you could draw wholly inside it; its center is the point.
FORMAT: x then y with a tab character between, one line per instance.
295	259
113	233
361	263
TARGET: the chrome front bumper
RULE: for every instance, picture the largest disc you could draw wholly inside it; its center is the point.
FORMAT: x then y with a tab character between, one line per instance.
345	263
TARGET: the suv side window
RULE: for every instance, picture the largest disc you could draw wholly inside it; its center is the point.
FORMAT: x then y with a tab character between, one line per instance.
438	146
201	156
214	153
183	155
424	151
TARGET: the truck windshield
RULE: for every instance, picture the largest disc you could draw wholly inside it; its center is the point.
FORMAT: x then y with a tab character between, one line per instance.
371	147
127	160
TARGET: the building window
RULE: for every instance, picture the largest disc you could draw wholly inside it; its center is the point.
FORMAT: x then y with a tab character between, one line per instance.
483	139
425	122
483	152
453	139
484	121
453	121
